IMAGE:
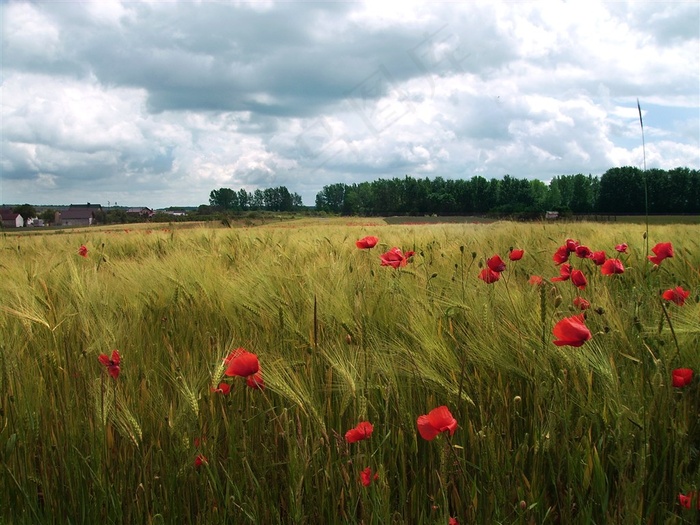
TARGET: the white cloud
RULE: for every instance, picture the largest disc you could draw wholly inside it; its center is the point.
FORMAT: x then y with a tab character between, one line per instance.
163	102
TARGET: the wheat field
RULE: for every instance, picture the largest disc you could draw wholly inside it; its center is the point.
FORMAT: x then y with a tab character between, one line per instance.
600	433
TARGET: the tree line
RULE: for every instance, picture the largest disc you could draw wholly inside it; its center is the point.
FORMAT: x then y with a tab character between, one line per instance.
269	199
618	190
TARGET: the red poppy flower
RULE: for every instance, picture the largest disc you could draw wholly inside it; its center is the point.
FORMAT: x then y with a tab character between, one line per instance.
678	295
395	258
223	388
564	273
571	331
583	252
661	252
436	421
83	251
200	460
367	478
622	248
453	521
581	303
489	276
363	430
496	264
686	500
681	377
516	255
561	255
255	381
111	364
571	245
535	280
367	242
233	354
598	257
612	266
242	363
578	279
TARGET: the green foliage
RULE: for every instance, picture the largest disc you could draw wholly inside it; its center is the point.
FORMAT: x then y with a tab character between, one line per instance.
594	434
270	199
48	216
27	211
619	190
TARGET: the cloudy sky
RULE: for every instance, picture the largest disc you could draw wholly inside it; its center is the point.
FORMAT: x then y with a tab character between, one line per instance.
158	103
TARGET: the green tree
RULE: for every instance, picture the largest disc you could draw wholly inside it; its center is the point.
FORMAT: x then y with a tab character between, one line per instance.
48	216
224	198
581	195
297	202
622	190
257	200
481	194
27	211
539	192
331	198
243	199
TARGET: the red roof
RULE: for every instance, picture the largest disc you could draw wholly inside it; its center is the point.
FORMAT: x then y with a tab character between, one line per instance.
8	215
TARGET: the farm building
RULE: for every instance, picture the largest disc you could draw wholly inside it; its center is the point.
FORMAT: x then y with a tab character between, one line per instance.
145	213
11	219
80	214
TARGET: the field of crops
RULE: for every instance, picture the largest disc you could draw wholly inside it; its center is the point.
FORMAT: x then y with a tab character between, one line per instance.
288	374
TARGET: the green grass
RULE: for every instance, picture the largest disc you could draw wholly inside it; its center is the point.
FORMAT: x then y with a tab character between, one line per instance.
546	434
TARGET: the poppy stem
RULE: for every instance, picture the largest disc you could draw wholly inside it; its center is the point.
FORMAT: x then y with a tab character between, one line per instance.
543	315
515	313
457	460
102	256
462	366
673	332
646	192
461	269
315	324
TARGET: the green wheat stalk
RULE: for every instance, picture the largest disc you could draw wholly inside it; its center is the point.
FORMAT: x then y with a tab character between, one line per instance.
644	178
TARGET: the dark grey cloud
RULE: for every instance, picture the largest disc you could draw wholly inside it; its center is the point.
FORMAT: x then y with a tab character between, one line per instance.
288	61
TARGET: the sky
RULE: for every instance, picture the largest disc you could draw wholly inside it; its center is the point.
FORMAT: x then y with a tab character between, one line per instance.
158	103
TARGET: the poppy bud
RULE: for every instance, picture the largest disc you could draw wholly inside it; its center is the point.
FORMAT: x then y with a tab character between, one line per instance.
517	399
473	255
522	505
557	301
348	339
461	249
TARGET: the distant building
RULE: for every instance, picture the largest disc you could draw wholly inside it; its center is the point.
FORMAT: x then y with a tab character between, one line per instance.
145	213
80	215
11	219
